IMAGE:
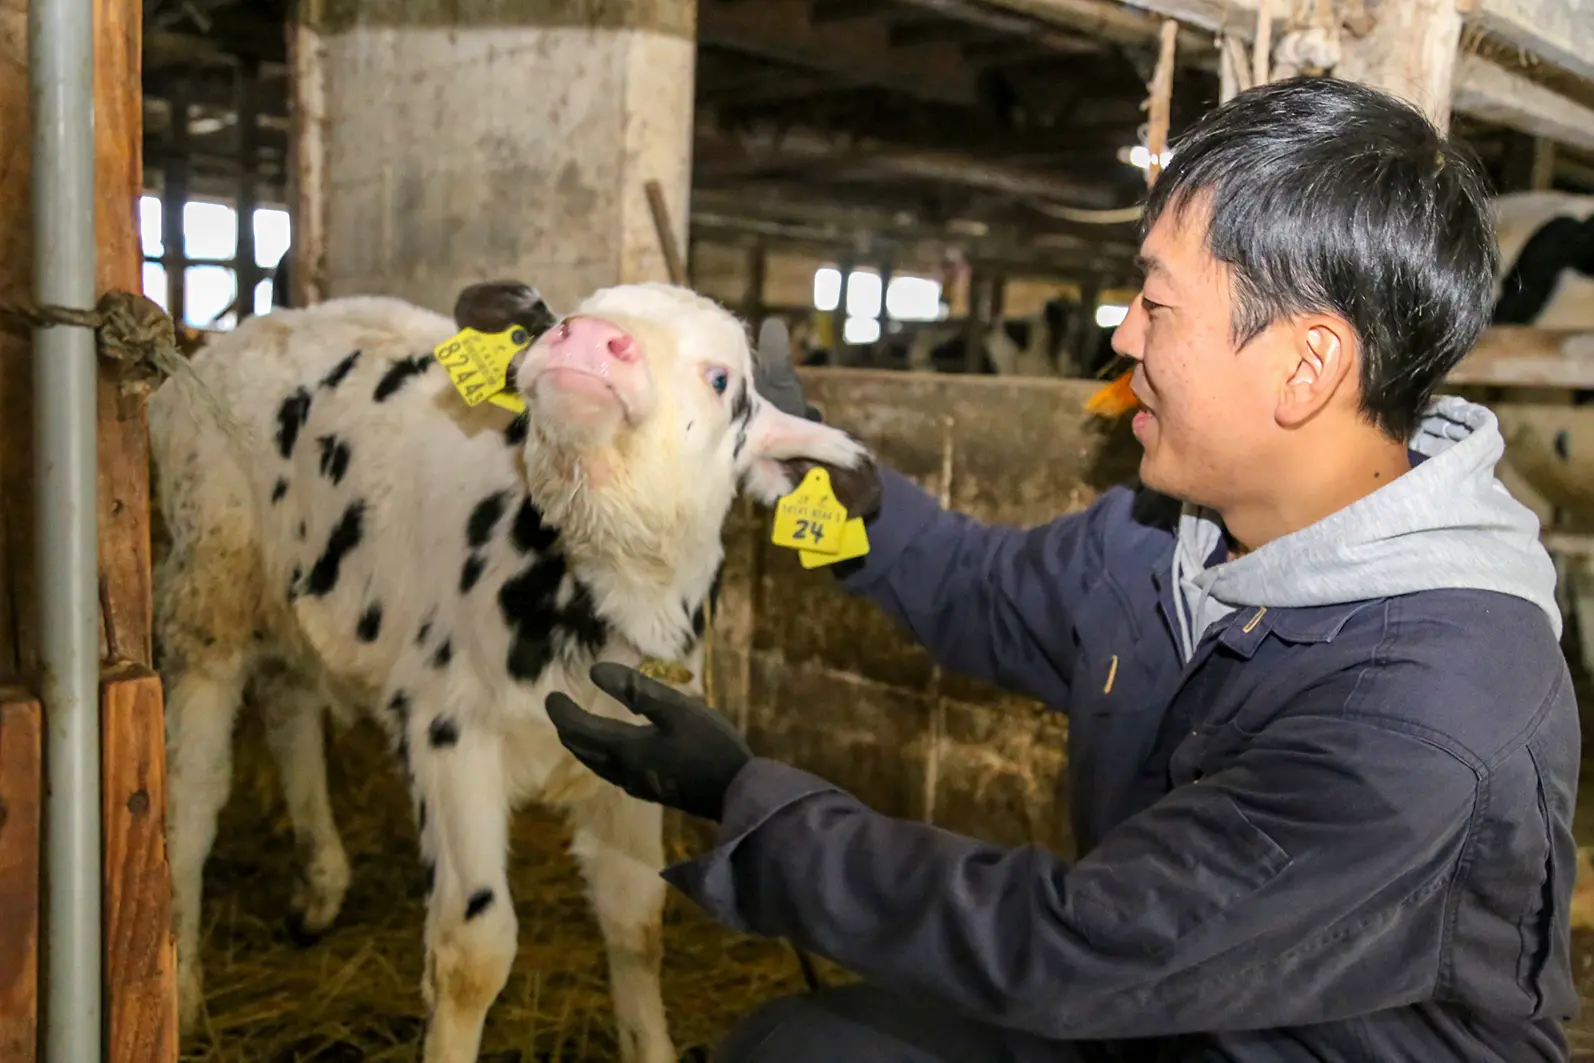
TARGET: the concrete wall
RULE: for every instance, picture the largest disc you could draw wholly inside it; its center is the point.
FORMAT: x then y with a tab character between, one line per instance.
828	683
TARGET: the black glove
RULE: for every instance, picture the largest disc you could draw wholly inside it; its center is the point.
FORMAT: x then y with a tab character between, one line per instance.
686	758
773	375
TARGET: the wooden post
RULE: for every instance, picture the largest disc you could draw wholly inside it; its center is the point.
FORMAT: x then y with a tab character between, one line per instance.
1410	52
141	961
140	968
21	820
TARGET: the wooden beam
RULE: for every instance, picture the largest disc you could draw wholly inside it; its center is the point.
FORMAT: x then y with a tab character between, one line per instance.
1494	94
1559	32
1480	88
141	956
1410	52
124	488
856	53
1523	356
21	826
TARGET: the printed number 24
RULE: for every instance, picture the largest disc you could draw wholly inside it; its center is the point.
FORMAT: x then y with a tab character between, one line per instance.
814	531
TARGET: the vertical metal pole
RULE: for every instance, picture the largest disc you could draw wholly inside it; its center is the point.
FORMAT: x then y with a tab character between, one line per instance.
61	72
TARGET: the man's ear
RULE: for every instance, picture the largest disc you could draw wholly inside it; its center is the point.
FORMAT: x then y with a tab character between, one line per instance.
493	306
1322	354
780	449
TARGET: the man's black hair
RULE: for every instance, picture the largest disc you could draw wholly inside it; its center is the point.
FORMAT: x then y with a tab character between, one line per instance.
1330	196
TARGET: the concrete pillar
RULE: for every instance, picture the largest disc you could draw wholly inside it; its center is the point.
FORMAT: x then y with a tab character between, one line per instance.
450	141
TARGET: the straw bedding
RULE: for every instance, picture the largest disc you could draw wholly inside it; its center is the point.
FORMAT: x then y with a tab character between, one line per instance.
355	994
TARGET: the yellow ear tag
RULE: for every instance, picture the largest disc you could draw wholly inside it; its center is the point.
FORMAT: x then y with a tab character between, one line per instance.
854	543
478	364
810	519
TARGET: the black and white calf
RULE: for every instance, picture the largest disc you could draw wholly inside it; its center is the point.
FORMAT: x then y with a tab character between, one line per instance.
1547	260
364	541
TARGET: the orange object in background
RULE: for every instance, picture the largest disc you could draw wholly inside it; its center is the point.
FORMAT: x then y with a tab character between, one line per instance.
1114	400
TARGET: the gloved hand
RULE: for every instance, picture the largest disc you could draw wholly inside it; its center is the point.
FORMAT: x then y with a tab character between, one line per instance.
773	374
685	757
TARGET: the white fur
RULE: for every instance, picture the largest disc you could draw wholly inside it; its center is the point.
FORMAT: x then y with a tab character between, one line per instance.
639	509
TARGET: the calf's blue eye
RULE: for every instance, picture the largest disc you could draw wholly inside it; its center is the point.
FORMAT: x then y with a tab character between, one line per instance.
719	380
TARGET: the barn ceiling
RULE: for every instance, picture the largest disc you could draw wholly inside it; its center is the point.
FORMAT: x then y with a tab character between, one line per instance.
842	125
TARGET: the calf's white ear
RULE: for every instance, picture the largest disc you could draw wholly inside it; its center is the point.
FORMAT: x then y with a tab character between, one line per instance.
780	449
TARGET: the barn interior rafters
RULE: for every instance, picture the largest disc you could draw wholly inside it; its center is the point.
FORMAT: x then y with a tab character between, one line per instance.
937	137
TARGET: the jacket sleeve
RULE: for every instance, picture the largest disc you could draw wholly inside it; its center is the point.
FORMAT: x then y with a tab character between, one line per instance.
1300	884
992	602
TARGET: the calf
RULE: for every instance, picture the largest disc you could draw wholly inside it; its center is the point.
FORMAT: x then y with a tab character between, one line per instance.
361	540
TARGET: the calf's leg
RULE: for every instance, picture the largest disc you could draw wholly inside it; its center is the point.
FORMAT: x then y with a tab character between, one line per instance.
619	844
201	704
471	929
293	710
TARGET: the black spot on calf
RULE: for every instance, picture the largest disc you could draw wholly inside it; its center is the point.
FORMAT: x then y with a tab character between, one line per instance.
519	428
484	517
1563	445
334	457
442	732
339	371
444	654
399	705
429	877
471	572
529	534
291	415
279	490
399	372
345	537
526	602
426	629
478	903
370	625
741	404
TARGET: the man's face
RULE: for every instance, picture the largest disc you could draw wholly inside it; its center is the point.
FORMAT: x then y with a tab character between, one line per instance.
1207	425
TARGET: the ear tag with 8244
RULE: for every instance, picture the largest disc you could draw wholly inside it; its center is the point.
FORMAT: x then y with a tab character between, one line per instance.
478	364
810	519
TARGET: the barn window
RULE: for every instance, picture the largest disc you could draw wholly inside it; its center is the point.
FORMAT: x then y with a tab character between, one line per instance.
914	299
1109	315
209	258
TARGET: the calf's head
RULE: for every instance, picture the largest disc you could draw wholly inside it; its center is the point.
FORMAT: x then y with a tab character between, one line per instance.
644	421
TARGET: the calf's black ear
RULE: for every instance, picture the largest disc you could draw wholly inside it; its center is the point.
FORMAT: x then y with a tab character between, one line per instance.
493	306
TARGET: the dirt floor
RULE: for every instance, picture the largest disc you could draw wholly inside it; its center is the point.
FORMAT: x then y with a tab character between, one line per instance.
354	997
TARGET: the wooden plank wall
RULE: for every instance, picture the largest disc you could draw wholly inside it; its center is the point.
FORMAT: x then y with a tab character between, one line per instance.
140	965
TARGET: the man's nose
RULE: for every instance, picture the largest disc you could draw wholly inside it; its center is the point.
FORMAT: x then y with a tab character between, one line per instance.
1129	338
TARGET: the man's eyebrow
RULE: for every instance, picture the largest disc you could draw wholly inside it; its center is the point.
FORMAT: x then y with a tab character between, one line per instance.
1149	264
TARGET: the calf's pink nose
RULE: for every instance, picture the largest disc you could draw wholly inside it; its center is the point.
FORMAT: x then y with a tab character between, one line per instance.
594	336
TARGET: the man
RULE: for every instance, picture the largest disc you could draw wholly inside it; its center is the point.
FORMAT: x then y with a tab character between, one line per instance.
1323	744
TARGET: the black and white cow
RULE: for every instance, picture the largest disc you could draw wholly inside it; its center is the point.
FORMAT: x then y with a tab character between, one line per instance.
361	540
1547	260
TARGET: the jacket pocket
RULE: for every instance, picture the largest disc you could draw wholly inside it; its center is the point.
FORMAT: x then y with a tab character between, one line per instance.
1145	902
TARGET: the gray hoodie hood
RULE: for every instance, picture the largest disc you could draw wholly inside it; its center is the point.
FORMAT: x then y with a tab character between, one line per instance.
1448	523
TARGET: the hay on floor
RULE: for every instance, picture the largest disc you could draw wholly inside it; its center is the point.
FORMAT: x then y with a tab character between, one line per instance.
355	994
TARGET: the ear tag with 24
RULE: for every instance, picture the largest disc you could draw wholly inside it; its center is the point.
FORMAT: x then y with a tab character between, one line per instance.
478	364
812	521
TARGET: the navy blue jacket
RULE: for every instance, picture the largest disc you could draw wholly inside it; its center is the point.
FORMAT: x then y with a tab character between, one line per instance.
1339	833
